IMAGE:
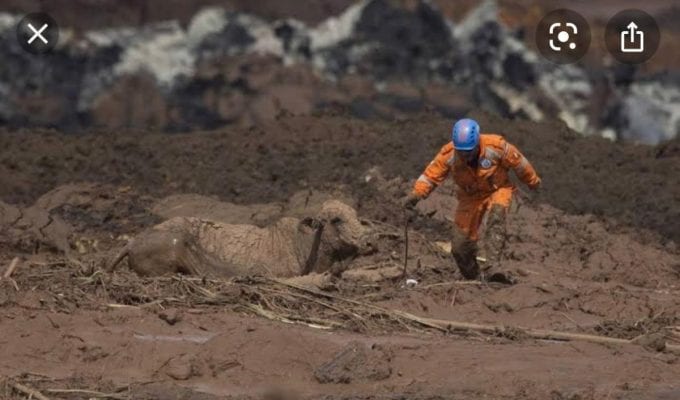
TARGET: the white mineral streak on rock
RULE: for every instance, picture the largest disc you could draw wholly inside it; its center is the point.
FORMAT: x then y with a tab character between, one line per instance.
569	88
206	22
162	51
517	101
473	22
336	29
653	112
266	41
8	21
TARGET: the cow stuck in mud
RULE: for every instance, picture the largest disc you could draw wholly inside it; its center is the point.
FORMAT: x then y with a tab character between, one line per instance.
289	247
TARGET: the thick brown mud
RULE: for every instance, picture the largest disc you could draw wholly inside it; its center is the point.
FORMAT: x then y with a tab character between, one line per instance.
593	251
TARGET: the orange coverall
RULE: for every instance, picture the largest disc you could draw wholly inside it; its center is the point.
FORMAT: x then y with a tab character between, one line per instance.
482	187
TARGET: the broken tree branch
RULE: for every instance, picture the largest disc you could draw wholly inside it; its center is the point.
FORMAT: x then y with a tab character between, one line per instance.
30	392
449	325
90	393
405	246
12	266
542	334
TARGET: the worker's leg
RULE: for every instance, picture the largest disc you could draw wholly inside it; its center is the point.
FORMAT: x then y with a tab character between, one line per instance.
464	237
464	251
495	235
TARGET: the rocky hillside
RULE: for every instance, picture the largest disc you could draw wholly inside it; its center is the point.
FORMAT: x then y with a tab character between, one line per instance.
375	58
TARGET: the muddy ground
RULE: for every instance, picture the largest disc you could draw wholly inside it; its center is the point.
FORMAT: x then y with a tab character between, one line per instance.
595	252
632	185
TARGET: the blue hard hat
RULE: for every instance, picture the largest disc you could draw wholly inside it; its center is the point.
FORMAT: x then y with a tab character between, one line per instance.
465	135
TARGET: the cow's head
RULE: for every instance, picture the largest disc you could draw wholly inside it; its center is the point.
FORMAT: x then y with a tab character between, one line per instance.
342	234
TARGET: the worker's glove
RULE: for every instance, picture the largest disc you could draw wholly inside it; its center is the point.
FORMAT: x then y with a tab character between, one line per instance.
409	202
535	187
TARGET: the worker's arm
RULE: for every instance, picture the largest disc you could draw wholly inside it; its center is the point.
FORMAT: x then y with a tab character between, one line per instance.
513	159
435	173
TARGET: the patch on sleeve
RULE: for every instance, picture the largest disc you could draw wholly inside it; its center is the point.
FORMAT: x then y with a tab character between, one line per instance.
485	163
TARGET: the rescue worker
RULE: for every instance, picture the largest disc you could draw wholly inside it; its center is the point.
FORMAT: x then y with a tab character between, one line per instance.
479	165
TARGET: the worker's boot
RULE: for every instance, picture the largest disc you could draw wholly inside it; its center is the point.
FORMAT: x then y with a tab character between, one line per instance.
494	246
464	251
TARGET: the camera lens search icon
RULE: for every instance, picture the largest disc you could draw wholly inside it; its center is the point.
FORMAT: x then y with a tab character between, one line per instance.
563	36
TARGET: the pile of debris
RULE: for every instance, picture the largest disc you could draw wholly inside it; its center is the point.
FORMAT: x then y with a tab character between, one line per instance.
374	59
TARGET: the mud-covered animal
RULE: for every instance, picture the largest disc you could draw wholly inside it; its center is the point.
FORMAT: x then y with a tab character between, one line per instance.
289	247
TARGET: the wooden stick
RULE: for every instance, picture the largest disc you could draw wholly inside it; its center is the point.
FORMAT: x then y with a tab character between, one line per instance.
114	305
32	393
542	334
448	325
453	283
91	393
405	243
12	266
259	310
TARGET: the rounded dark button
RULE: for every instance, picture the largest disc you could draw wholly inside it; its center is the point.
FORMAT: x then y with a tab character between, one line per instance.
563	36
632	36
37	33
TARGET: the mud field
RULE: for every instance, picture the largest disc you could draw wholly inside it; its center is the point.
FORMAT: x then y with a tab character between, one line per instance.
595	251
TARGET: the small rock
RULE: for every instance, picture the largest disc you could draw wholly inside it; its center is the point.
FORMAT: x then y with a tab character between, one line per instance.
171	316
180	368
652	341
356	363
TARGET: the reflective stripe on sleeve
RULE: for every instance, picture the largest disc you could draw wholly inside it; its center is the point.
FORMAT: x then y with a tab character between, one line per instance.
423	178
491	154
505	149
519	169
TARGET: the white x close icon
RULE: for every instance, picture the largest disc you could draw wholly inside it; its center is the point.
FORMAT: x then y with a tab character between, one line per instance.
37	34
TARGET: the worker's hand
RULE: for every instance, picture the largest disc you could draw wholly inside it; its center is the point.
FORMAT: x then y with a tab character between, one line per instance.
535	187
409	202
